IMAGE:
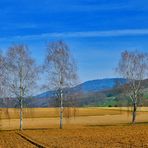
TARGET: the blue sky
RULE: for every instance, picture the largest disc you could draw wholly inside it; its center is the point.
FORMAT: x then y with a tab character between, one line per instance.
95	30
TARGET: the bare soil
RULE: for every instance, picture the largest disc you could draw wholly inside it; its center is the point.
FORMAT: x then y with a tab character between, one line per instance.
127	136
12	140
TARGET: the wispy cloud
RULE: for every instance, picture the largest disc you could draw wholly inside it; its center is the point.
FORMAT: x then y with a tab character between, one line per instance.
85	34
63	6
108	33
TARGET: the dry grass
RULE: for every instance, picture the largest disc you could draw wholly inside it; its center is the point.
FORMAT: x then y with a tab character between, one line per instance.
13	113
48	117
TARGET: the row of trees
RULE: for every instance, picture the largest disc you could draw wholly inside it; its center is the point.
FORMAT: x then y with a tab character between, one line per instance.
19	73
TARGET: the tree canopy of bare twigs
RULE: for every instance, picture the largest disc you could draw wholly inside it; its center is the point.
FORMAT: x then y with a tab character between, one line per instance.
133	66
22	73
60	66
61	70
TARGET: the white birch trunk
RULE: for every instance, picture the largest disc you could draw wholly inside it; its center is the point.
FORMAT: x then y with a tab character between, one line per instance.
61	109
21	115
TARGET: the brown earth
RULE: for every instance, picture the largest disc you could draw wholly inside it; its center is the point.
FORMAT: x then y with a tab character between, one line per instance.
91	127
12	140
94	137
120	136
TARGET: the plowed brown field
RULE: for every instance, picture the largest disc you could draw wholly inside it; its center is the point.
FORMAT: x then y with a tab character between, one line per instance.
12	140
90	128
127	136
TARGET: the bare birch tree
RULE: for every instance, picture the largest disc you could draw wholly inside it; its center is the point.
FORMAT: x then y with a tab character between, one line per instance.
22	73
2	80
133	66
2	76
61	71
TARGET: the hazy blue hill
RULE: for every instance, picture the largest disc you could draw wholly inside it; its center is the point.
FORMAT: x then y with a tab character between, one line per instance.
47	94
101	92
100	84
94	92
90	86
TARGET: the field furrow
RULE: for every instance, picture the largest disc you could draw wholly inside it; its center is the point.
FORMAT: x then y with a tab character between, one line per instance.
12	140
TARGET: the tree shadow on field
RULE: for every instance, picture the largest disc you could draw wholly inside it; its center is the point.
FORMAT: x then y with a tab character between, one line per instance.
119	124
138	123
104	125
41	129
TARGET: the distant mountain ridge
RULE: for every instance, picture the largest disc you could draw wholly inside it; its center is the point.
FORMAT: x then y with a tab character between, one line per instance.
90	86
91	92
100	84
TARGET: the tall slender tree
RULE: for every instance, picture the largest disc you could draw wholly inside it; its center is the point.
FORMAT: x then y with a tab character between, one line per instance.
133	66
2	80
22	73
2	75
61	71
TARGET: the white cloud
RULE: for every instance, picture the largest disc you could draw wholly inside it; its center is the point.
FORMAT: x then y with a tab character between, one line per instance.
125	32
85	34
